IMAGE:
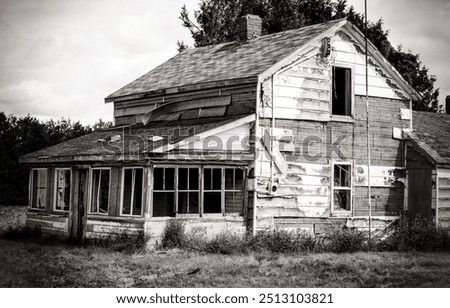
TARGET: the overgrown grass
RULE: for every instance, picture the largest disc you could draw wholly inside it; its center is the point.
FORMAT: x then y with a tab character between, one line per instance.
125	243
30	264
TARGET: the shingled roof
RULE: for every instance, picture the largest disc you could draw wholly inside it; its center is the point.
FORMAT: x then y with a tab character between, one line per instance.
234	60
133	141
431	132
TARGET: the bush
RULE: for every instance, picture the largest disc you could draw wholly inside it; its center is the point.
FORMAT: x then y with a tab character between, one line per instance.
342	240
21	233
125	243
419	234
174	235
227	243
282	241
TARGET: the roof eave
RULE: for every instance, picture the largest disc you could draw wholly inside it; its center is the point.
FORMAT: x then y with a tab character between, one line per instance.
182	88
294	56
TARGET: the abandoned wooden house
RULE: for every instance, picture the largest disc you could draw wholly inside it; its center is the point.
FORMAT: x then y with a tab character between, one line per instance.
265	132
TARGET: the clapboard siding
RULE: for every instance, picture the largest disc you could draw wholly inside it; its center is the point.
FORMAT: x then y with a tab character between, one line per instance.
443	202
100	227
302	91
49	224
206	227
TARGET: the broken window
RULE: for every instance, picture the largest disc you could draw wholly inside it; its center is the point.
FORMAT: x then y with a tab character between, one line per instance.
177	190
341	101
342	187
234	190
62	198
132	191
39	188
100	191
164	192
212	190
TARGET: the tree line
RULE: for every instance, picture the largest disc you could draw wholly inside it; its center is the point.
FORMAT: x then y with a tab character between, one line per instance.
216	22
23	135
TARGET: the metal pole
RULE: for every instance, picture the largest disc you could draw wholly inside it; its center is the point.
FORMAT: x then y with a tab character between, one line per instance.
369	190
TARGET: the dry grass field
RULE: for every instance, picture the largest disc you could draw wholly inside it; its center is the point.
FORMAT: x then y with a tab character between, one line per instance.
35	263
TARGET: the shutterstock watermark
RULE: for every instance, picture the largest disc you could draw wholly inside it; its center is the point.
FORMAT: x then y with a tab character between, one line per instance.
177	144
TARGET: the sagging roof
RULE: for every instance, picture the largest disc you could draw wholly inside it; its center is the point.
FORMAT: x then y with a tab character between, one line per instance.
431	134
132	141
234	60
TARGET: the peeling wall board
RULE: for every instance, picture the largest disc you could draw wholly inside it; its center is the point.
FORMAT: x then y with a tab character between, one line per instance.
301	93
47	224
302	82
380	176
292	190
309	169
293	212
235	139
298	201
308	180
348	51
296	114
302	104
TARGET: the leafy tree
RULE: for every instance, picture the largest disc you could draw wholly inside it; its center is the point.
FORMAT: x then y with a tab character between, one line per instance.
216	22
19	136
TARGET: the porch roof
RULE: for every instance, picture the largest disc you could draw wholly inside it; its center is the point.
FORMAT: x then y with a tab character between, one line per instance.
131	141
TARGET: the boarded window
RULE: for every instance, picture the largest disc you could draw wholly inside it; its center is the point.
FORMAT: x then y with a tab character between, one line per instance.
164	192
133	181
342	91
39	188
62	199
342	187
100	191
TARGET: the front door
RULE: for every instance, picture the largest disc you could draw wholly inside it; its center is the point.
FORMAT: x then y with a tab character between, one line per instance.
79	206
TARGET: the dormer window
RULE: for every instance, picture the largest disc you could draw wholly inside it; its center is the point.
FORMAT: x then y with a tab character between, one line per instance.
341	101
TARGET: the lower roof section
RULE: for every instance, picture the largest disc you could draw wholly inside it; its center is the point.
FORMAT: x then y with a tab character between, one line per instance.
134	142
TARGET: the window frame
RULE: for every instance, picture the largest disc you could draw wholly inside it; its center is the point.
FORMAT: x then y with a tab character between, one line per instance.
222	190
55	197
132	193
31	181
201	189
337	117
91	191
333	187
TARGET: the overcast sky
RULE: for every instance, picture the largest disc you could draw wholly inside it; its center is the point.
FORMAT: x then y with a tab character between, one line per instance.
62	58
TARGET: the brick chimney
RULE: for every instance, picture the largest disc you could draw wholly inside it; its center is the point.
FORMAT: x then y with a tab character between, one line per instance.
447	104
249	27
